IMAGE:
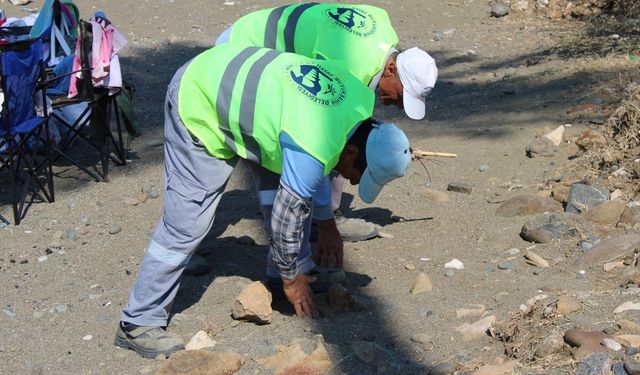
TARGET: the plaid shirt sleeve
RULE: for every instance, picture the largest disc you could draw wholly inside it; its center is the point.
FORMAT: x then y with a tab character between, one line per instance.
287	220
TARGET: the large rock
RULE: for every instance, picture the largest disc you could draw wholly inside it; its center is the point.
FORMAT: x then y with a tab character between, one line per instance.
253	304
201	362
527	205
583	197
556	226
608	249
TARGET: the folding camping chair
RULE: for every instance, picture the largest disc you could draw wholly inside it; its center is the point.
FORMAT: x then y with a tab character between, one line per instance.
93	124
24	134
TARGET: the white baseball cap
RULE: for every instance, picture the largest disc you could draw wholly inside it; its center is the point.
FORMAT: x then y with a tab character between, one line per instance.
388	157
418	74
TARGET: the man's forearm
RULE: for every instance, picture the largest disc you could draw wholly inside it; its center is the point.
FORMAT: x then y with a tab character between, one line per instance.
287	221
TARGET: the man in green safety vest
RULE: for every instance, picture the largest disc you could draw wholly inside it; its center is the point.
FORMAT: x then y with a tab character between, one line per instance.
292	120
360	37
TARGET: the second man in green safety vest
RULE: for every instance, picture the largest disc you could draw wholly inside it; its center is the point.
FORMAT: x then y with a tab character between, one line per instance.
360	37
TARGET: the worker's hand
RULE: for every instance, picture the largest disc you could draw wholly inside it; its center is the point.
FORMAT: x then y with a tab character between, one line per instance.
300	295
330	251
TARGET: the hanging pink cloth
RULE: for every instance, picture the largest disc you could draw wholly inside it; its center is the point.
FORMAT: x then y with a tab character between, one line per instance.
105	65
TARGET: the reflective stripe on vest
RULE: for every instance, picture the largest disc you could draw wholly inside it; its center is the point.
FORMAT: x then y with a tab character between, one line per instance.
271	28
247	106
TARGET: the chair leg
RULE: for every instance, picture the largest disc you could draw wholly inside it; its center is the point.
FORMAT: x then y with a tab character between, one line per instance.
13	178
119	143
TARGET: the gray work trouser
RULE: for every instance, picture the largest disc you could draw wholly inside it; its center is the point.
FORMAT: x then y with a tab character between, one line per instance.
194	181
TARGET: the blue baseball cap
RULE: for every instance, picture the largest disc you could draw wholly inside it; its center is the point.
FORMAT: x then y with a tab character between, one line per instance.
388	157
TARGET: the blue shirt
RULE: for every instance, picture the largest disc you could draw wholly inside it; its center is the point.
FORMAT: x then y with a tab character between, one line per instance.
304	175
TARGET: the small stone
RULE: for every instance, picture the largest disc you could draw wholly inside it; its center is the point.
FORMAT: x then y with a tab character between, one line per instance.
632	351
153	194
549	345
341	300
410	266
584	197
527	205
142	197
86	220
473	310
87	337
585	245
506	266
535	259
632	366
627	306
421	284
455	264
130	201
497	369
628	325
58	309
540	147
594	364
83	231
578	337
499	10
42	258
460	187
611	344
475	330
200	340
420	338
483	168
629	341
567	305
436	196
8	311
71	235
618	369
449	272
555	135
115	229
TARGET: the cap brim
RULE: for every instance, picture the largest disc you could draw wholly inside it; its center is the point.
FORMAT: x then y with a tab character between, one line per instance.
413	107
368	188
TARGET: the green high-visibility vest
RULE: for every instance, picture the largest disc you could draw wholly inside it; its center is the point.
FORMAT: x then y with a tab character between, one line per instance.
358	35
237	100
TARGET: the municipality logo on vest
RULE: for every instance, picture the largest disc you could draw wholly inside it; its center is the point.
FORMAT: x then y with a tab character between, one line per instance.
317	84
354	20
